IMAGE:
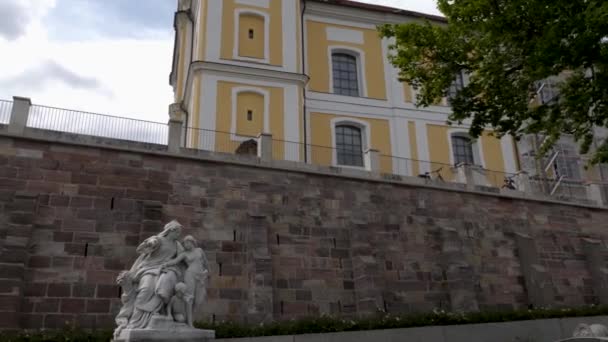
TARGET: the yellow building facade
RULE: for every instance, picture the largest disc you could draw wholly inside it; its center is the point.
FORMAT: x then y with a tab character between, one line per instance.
316	76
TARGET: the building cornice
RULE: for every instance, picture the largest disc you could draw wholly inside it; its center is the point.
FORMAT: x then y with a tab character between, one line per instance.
244	72
368	16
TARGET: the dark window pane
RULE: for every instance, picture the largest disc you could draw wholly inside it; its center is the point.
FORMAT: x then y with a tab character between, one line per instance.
345	78
462	149
348	145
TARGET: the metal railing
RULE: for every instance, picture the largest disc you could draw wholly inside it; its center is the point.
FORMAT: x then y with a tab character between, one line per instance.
100	125
6	107
498	179
93	124
416	168
560	189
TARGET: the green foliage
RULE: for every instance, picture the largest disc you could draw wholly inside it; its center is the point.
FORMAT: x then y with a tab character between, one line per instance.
326	324
508	47
66	335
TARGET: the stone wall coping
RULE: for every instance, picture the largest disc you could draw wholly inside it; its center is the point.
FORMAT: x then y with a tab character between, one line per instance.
72	139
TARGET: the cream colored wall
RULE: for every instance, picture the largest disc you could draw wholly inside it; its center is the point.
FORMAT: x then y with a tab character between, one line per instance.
439	150
319	124
202	32
274	12
254	102
321	137
224	143
196	114
181	64
319	59
492	152
251	47
415	168
408	94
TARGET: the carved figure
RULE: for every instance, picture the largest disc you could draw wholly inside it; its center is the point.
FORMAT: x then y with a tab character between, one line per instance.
195	275
148	287
178	306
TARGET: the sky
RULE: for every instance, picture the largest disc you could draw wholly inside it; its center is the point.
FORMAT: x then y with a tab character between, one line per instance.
103	56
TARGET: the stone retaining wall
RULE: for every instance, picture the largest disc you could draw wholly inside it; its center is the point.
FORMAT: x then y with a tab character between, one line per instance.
283	243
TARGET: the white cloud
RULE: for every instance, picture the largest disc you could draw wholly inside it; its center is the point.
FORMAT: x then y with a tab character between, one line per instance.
118	76
18	16
115	76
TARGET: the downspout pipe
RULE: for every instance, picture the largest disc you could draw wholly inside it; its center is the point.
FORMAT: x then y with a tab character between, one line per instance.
302	49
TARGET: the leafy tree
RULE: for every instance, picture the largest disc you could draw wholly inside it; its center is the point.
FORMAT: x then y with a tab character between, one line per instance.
508	48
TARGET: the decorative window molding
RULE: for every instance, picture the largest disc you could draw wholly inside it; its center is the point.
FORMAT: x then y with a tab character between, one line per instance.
360	57
365	138
337	34
476	146
256	3
235	50
235	94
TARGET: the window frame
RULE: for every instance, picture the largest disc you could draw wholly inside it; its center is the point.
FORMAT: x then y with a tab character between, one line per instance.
347	73
363	127
464	143
476	147
352	150
359	56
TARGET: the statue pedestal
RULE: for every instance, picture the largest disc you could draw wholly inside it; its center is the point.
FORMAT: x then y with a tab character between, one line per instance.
162	328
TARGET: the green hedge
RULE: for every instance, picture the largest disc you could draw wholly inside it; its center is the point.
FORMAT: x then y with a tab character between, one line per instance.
66	335
326	324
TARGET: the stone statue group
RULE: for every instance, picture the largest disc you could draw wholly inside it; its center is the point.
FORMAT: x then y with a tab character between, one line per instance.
165	283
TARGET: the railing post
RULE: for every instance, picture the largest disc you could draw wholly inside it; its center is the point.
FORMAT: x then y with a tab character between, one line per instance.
265	146
595	192
522	182
372	160
176	127
19	114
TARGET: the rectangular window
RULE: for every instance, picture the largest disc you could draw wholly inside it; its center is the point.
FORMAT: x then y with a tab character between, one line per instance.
349	146
249	115
463	150
345	74
567	163
251	35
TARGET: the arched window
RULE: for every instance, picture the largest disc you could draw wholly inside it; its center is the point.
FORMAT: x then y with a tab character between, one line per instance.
345	74
349	145
462	148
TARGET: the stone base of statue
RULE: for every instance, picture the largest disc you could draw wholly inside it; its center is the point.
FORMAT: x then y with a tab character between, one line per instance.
163	328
